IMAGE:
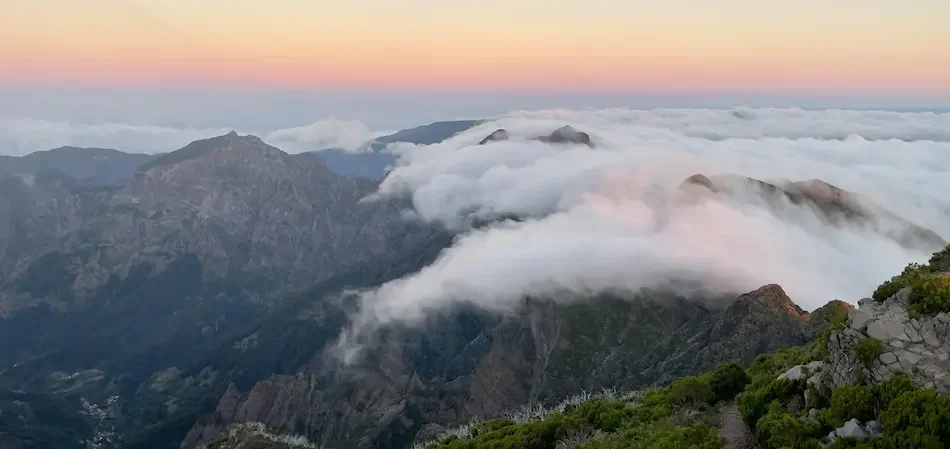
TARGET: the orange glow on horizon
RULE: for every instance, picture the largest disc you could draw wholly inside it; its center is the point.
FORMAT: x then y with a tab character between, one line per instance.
356	49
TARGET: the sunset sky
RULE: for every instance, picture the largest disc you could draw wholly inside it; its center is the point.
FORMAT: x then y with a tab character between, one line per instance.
886	47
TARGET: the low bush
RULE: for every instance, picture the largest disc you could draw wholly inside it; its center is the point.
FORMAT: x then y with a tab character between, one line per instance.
867	350
911	273
691	391
922	409
887	391
930	295
728	380
851	401
779	429
940	262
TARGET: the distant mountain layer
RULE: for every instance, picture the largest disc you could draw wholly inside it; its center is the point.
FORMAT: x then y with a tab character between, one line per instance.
90	167
373	163
98	167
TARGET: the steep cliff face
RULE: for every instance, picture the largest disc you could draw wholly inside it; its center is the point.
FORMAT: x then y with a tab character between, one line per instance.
481	364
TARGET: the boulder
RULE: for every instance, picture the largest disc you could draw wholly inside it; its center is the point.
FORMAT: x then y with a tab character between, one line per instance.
852	429
798	372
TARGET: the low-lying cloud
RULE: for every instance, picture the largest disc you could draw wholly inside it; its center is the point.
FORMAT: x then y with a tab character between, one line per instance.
348	135
21	136
614	217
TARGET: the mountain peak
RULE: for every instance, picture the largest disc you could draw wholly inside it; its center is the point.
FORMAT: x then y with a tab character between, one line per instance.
772	297
230	142
567	134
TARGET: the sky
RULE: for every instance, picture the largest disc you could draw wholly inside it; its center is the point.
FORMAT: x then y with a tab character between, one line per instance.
71	68
894	47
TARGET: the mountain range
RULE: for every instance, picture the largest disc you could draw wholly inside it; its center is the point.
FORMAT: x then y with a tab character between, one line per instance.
155	300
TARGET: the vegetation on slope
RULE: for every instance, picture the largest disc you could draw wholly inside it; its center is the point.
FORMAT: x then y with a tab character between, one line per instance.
929	285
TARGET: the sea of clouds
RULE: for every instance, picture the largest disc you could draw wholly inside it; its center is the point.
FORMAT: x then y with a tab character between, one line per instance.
612	217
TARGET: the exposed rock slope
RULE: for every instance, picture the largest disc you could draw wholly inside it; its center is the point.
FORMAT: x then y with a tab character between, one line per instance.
918	347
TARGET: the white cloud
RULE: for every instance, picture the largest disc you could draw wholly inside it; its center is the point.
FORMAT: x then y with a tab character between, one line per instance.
612	217
348	135
20	136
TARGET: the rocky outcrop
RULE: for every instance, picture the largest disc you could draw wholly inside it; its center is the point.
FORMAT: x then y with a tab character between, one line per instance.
496	136
918	347
567	134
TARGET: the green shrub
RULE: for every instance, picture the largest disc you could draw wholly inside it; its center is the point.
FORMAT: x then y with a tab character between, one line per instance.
867	350
910	274
697	436
940	262
490	426
930	295
851	401
887	391
728	380
753	405
691	391
779	429
923	409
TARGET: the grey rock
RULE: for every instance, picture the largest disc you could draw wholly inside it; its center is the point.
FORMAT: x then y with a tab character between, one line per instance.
852	429
886	331
907	358
859	319
888	358
798	372
928	331
912	334
874	429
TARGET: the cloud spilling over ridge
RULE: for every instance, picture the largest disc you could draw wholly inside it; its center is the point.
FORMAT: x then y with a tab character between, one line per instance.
21	136
348	135
616	217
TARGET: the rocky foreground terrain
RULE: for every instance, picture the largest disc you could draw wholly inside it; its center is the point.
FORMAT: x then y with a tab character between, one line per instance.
203	292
